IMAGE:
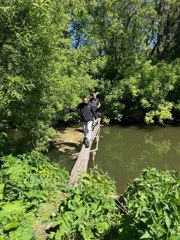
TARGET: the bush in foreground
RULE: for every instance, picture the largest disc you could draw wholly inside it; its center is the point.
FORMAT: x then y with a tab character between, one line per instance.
153	200
30	188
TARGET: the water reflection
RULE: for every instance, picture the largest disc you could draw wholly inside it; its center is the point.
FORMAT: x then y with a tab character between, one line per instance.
161	147
177	149
125	151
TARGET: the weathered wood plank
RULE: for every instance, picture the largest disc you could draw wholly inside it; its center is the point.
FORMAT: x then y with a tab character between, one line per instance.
81	164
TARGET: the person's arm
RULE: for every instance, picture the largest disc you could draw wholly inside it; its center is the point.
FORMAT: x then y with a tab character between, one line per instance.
93	112
98	103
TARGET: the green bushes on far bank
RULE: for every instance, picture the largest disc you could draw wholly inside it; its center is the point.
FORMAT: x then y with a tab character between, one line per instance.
148	92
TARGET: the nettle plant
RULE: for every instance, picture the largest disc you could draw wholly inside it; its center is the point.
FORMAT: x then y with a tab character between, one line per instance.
153	200
88	211
27	183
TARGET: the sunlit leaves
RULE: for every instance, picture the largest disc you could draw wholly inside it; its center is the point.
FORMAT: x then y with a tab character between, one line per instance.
153	199
88	209
148	91
27	183
41	77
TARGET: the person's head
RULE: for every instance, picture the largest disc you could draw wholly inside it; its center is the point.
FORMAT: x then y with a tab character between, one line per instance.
93	94
85	99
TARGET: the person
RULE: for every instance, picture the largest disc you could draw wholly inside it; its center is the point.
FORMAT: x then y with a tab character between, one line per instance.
87	112
95	101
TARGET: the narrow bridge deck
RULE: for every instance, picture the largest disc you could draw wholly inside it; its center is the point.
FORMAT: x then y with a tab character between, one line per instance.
81	164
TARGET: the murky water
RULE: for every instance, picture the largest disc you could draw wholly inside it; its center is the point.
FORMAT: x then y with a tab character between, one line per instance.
64	159
125	150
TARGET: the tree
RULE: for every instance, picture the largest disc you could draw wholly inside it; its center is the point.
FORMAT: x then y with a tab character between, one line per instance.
37	74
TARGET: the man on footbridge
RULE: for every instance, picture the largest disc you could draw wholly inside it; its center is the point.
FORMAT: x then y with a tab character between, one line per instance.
87	113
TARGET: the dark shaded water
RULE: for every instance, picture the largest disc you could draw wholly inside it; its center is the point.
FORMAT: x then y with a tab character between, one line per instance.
125	150
63	158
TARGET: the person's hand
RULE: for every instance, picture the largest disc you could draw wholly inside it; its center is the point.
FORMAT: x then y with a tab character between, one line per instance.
96	121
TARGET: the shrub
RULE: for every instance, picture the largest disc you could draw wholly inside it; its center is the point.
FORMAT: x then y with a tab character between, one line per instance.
153	201
88	211
28	182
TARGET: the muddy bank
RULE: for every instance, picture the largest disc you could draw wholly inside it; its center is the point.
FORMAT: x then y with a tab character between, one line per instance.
69	138
65	147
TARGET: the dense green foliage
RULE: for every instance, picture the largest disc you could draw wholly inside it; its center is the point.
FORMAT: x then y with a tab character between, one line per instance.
36	203
153	201
53	52
41	77
148	91
88	211
34	198
137	46
29	184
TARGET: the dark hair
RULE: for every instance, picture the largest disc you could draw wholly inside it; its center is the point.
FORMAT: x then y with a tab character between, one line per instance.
84	97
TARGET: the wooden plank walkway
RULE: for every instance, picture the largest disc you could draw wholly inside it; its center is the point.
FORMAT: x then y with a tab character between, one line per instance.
81	164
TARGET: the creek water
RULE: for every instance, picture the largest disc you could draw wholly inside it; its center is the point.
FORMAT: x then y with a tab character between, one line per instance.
125	150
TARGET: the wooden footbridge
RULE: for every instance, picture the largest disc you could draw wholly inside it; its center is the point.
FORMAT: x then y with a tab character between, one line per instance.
82	161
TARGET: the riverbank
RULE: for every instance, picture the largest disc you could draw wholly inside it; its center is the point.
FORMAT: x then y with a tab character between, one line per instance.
65	147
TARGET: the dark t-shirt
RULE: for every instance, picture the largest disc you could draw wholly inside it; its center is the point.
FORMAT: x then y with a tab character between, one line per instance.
95	102
87	112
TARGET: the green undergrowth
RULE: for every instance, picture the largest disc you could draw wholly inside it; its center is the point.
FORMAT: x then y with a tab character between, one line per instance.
153	200
37	203
88	211
29	185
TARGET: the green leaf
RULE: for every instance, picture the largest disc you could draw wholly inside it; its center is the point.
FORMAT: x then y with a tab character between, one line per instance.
11	225
87	234
167	221
1	191
146	235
